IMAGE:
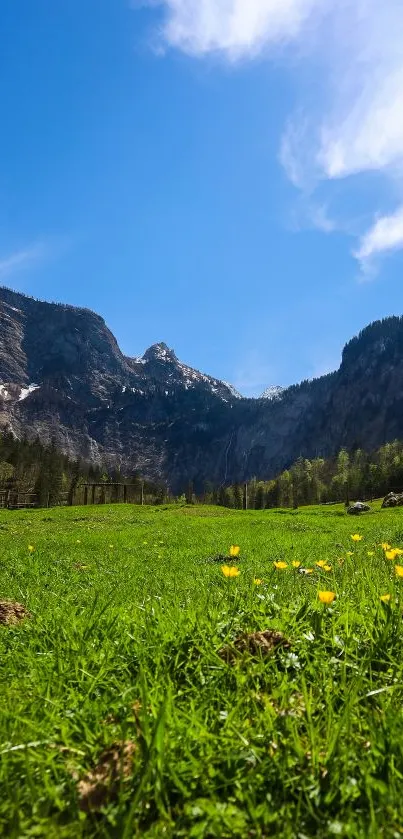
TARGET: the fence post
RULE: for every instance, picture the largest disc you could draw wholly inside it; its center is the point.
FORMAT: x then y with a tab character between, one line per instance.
93	493
245	498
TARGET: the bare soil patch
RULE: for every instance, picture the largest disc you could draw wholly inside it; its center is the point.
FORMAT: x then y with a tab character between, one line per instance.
12	612
101	784
255	644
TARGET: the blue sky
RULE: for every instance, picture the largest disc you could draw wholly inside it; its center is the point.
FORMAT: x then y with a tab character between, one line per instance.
223	175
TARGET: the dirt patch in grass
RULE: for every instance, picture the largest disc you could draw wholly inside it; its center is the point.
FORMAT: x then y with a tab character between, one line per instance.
255	644
101	784
12	612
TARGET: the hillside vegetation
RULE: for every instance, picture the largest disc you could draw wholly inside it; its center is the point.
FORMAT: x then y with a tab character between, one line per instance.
129	708
347	476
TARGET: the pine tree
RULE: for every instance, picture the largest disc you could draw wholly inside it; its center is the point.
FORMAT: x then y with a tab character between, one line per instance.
238	497
260	499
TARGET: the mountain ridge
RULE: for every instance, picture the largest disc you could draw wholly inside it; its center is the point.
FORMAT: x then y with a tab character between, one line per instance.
64	378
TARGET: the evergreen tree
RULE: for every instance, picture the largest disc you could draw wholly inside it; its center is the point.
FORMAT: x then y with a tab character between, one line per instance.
260	498
286	493
318	485
238	497
189	493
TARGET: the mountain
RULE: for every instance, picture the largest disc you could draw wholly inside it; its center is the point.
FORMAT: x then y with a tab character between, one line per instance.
63	378
273	392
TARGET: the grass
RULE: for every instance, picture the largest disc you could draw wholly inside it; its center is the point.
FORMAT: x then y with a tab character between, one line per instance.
128	615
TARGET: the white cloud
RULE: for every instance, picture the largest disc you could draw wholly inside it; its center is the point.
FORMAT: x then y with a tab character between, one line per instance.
350	118
358	125
385	235
238	28
363	130
292	161
23	259
320	218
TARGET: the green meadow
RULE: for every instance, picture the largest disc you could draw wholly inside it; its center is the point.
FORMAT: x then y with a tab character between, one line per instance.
122	716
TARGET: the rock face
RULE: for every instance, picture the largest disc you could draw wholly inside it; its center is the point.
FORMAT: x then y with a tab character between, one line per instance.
64	378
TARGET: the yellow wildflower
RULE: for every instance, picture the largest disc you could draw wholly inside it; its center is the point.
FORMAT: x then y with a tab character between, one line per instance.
385	546
390	554
257	581
356	537
296	564
321	563
399	570
31	549
234	550
326	597
385	598
308	570
280	566
230	571
327	567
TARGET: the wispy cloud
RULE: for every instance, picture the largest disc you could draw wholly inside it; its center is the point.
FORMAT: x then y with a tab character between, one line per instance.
354	125
237	28
253	374
320	219
11	264
385	235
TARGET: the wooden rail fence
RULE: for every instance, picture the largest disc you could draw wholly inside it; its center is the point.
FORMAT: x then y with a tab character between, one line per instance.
98	493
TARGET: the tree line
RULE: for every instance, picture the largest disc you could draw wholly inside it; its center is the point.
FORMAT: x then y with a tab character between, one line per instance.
29	467
349	476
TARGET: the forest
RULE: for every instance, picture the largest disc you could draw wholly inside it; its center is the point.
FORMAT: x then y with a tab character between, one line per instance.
51	478
30	467
358	475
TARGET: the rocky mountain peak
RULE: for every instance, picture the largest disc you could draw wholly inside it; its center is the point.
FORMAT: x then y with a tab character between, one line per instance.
272	392
160	352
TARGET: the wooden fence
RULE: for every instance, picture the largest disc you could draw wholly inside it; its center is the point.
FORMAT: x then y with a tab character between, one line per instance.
100	493
11	499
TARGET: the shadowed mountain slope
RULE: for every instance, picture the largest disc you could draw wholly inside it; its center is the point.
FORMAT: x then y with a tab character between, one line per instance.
63	378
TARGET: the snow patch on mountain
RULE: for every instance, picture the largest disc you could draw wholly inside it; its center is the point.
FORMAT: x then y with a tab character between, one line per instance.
272	393
26	391
13	392
164	367
233	391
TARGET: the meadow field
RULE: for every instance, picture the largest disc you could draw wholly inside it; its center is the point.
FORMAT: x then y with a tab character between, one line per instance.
137	698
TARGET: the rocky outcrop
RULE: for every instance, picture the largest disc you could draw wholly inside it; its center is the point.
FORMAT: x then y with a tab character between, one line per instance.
358	508
64	378
393	499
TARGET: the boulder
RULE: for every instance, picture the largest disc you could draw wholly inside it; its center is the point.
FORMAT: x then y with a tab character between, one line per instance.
358	508
393	499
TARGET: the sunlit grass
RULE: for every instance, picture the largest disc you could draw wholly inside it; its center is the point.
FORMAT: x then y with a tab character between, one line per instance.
129	610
